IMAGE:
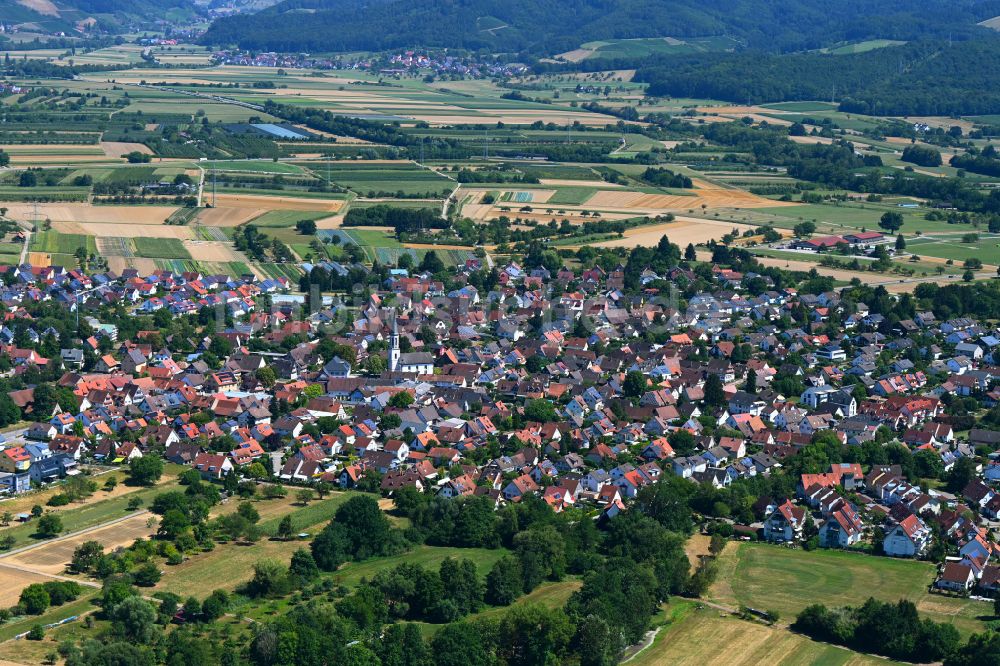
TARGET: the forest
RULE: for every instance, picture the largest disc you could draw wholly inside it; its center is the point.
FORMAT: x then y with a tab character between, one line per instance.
933	78
554	26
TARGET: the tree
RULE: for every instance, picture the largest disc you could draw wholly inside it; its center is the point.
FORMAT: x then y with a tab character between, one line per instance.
635	384
542	554
146	575
961	474
690	253
268	578
401	400
540	410
49	525
751	383
285	529
431	263
214	606
248	511
85	556
27	179
900	242
891	221
34	599
531	634
266	376
715	395
303	567
146	471
504	582
304	496
134	619
358	530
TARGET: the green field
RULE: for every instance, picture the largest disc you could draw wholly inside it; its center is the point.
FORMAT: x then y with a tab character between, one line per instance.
787	580
90	514
644	47
58	243
160	248
571	196
252	166
287	218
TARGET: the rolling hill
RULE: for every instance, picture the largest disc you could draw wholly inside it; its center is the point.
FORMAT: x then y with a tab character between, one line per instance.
554	26
69	16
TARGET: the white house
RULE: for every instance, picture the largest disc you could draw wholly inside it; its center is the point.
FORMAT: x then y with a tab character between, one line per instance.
908	538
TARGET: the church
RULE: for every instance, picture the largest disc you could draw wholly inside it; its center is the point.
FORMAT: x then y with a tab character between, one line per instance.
417	363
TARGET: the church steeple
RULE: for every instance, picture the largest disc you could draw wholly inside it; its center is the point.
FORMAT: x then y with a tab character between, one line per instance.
394	345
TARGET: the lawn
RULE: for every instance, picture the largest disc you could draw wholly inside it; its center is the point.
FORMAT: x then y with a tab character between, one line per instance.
705	636
787	580
160	248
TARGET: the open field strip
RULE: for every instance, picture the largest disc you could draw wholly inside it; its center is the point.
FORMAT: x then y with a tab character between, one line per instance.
709	637
87	213
265	203
787	580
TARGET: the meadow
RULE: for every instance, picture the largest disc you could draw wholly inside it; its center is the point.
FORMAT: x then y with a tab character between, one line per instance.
787	580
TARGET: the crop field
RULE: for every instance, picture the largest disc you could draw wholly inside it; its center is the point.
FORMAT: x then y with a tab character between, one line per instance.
58	243
387	179
252	166
787	580
160	248
358	94
286	218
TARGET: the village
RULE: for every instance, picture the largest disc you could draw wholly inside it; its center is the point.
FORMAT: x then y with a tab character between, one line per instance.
548	386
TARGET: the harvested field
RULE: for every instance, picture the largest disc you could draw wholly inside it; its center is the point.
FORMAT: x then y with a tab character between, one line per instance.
13	581
682	231
228	217
705	637
704	195
214	251
39	259
52	557
85	212
120	148
811	139
265	203
144	266
568	182
136	230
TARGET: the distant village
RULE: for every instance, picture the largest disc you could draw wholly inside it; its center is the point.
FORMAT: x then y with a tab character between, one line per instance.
400	63
557	384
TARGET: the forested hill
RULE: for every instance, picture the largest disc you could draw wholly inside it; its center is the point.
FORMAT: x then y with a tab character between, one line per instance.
65	15
931	78
554	26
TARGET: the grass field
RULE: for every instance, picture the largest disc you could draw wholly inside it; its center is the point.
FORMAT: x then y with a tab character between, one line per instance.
160	248
58	243
90	514
286	218
787	580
